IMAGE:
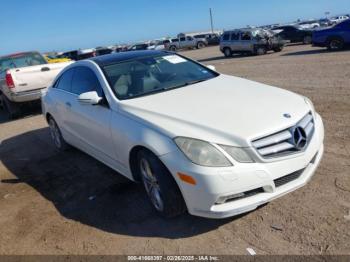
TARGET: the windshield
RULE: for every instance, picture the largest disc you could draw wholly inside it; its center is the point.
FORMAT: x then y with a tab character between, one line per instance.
149	75
21	60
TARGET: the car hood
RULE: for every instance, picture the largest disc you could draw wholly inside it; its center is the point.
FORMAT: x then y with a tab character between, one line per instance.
226	110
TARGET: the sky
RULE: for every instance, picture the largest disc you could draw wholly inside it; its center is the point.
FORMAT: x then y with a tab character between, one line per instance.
62	25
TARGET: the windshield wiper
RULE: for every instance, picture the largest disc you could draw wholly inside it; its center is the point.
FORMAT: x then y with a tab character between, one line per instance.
184	84
158	90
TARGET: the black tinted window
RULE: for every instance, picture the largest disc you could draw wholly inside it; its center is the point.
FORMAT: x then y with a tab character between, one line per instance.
226	37
85	80
65	80
235	36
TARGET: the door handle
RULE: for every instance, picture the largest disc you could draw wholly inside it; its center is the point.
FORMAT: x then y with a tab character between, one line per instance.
44	69
68	104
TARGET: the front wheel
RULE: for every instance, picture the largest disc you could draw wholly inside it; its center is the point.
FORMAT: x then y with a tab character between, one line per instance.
173	48
160	186
307	40
278	49
260	50
335	44
227	52
200	45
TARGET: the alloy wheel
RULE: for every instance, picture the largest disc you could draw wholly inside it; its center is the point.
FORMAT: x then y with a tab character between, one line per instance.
151	185
55	133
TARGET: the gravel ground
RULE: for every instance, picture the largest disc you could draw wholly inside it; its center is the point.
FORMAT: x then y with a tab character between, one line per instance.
52	203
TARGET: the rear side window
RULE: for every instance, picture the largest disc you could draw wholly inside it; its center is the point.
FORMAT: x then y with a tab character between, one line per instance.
226	37
235	36
65	81
85	80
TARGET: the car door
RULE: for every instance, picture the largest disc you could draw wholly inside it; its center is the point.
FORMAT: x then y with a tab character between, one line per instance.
90	123
182	42
246	44
62	97
235	43
190	42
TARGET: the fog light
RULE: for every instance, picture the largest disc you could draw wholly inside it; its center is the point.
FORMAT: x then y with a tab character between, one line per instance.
223	199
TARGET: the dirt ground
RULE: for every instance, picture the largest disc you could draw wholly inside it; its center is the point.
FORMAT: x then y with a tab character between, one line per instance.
52	203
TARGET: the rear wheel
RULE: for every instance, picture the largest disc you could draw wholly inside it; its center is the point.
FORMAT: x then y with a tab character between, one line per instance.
227	52
56	135
160	186
307	40
200	45
335	44
11	109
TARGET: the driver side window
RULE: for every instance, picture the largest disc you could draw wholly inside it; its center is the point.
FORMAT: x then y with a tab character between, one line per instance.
85	80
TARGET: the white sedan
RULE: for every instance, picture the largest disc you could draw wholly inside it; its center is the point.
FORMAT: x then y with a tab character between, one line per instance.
212	144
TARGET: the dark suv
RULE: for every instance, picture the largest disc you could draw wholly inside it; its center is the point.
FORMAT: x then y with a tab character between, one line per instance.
294	34
334	38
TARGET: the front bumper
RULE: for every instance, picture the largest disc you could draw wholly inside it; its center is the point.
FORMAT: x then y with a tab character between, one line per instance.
214	183
27	96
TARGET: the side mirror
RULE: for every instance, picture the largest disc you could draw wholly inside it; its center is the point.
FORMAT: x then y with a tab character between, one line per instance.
89	98
211	67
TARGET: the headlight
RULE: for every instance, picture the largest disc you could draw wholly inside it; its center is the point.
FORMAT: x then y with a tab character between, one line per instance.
202	153
237	153
309	102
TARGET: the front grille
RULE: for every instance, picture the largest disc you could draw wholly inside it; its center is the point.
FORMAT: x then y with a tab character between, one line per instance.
287	141
288	178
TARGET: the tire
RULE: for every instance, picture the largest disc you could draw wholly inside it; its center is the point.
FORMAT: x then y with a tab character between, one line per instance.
56	136
12	109
200	45
159	185
278	49
227	52
260	50
335	44
307	40
173	48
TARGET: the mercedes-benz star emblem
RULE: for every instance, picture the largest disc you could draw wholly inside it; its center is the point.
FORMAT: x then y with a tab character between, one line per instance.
300	138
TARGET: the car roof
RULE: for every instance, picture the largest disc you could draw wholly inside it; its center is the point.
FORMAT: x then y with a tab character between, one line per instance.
125	56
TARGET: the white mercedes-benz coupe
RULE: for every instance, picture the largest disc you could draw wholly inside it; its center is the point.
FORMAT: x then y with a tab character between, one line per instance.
212	144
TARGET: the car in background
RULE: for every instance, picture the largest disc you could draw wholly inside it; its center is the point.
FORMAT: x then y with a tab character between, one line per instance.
156	45
334	38
197	140
325	22
79	54
24	78
52	59
138	47
186	42
338	19
294	34
253	41
212	39
309	24
103	51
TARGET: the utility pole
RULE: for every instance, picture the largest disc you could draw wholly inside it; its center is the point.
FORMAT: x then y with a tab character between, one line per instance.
211	20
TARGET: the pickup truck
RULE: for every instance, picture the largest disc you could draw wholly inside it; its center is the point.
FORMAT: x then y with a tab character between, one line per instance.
186	42
24	77
334	38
